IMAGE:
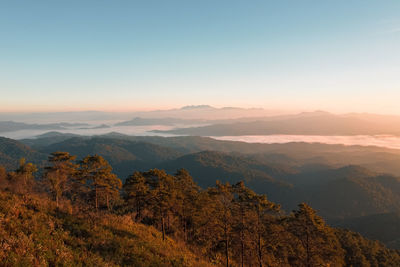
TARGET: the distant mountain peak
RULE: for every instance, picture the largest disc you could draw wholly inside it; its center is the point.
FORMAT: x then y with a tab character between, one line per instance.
315	113
54	134
197	107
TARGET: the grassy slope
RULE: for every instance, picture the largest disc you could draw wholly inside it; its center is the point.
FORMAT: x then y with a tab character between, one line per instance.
35	233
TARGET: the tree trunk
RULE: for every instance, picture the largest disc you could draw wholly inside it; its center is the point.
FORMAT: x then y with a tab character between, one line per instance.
163	228
168	222
242	237
259	251
97	203
242	253
184	230
138	211
308	251
226	247
108	201
259	240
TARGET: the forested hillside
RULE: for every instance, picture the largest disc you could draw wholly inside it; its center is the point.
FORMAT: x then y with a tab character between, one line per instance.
11	151
79	212
289	174
382	226
34	232
297	154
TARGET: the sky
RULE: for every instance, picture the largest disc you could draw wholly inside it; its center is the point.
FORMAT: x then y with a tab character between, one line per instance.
339	56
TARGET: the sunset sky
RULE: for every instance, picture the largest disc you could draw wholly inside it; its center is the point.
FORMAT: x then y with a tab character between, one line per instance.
339	56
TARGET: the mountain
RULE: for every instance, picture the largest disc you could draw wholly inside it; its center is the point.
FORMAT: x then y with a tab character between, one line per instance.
311	123
125	156
335	192
297	154
157	121
350	191
288	174
209	166
71	117
199	112
101	126
206	112
47	139
384	227
11	151
11	126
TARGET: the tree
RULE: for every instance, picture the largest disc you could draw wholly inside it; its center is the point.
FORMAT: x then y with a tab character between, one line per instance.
137	191
96	174
320	245
222	195
162	195
240	214
3	177
59	176
186	196
22	179
255	214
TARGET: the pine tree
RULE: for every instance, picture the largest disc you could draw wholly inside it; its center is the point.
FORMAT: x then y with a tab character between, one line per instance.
137	191
241	222
3	177
96	174
223	196
60	175
256	213
22	179
162	195
320	245
186	196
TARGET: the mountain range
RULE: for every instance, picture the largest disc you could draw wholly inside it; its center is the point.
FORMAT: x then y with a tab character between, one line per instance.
309	123
199	112
287	173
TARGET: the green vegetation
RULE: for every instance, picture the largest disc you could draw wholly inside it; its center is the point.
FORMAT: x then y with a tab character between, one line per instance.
287	173
76	214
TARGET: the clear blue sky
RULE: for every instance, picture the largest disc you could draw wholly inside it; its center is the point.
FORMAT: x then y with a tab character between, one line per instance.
341	55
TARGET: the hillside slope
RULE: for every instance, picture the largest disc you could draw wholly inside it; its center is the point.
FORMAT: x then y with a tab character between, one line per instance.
35	233
347	192
11	151
124	155
383	226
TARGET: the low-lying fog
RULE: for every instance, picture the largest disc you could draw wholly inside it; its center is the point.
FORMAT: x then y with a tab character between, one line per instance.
387	141
128	130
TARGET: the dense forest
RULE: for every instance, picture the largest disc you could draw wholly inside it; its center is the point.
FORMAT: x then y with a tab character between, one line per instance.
78	212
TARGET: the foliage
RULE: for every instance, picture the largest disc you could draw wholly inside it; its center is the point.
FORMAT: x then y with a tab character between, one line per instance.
33	232
59	177
101	184
82	218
